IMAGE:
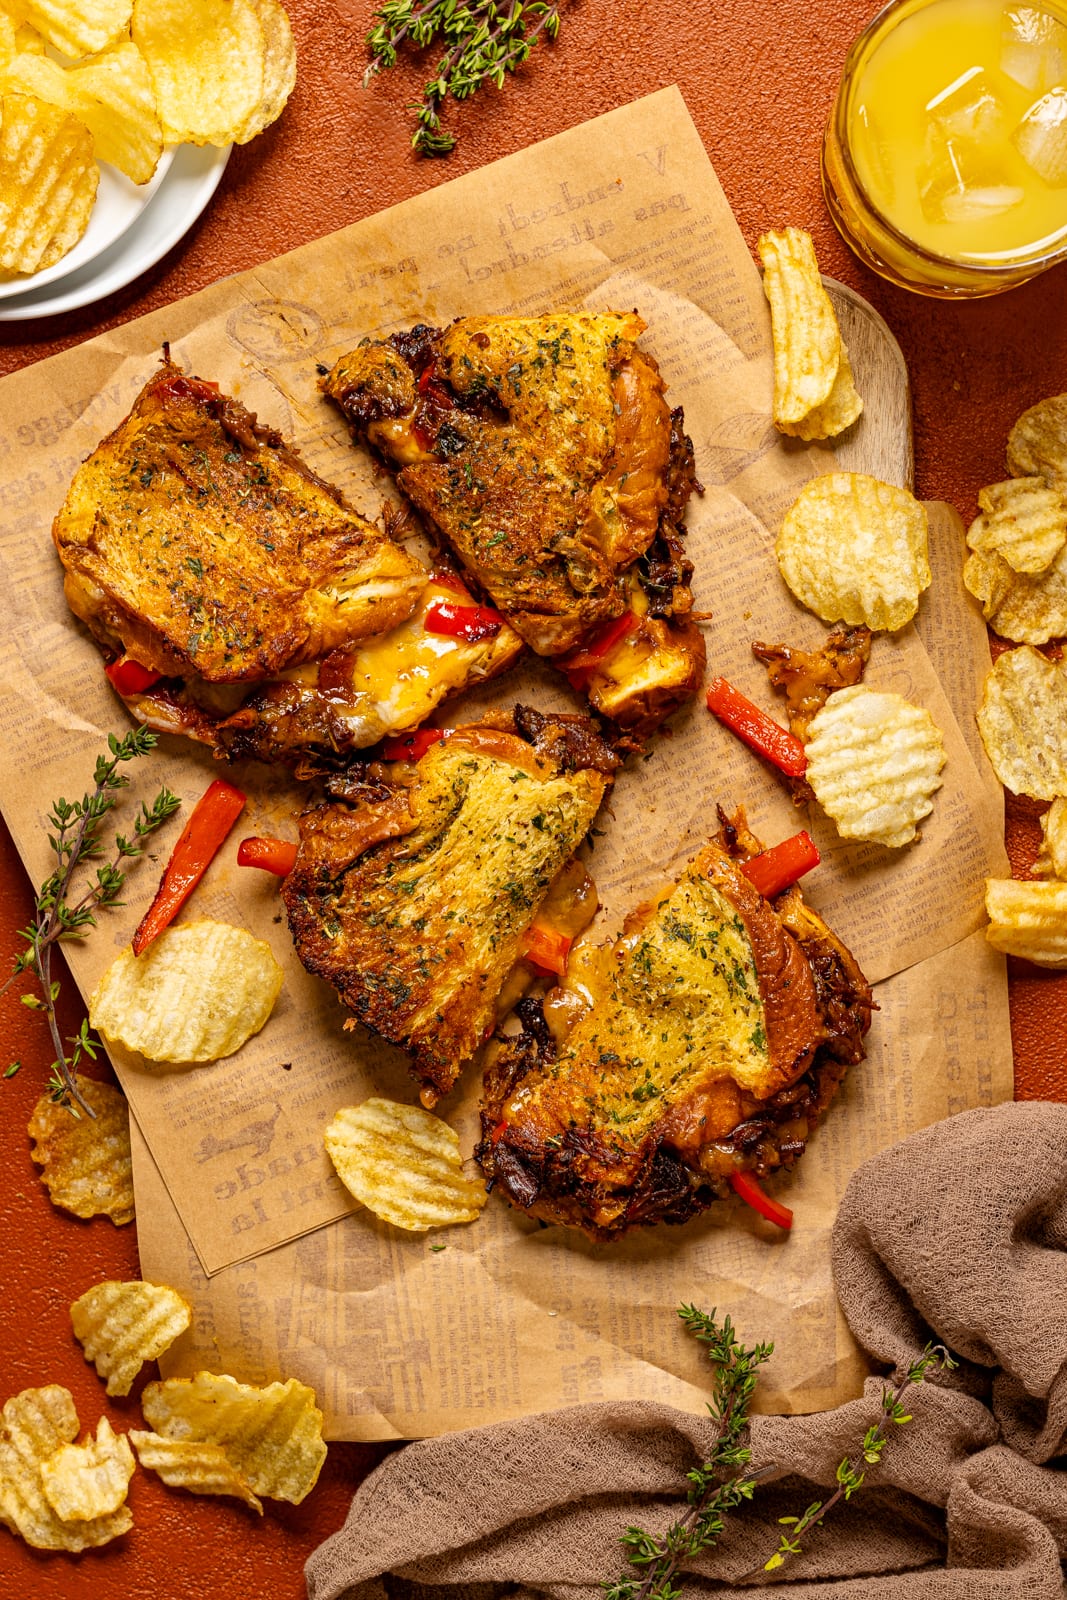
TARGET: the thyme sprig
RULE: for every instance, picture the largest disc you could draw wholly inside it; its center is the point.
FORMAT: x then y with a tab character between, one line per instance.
852	1470
715	1488
485	42
727	1478
60	914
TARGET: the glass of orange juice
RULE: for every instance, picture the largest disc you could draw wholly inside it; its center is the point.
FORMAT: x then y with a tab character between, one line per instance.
945	158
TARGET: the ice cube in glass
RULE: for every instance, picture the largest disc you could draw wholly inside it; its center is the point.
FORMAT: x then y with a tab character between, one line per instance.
959	183
1041	138
1033	48
968	108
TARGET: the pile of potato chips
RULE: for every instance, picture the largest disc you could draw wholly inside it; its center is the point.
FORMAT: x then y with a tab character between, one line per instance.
854	550
212	1435
1018	570
135	75
1030	919
40	1479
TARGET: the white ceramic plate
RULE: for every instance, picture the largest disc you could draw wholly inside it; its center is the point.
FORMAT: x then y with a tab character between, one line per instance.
118	205
176	199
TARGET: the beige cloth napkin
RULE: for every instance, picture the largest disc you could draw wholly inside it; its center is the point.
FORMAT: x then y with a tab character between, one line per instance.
960	1234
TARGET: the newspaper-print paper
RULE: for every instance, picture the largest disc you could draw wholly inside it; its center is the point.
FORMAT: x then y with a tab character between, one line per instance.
625	211
406	1335
401	1340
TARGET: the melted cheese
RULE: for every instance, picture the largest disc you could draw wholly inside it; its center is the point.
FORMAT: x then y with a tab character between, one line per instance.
408	672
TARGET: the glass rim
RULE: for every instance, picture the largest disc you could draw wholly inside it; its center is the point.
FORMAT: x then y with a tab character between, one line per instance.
988	270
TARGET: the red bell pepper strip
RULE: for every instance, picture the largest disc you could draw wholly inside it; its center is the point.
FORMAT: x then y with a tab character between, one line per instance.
498	1132
471	623
775	869
130	677
272	855
759	731
546	948
747	1188
581	664
411	746
213	816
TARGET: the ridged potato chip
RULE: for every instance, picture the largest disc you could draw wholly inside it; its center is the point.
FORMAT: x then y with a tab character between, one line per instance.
1037	445
1023	723
198	992
853	549
1052	857
807	344
272	1435
1022	520
111	93
80	199
206	63
84	1481
1027	608
1028	920
77	27
192	1464
85	1162
874	762
28	41
120	1326
838	411
33	1426
403	1164
279	68
48	180
804	331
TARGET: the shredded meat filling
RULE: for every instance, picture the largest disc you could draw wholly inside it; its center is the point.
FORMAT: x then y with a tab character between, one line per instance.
808	678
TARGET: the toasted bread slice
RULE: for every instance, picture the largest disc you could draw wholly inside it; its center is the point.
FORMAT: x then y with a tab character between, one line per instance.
412	897
543	452
707	1039
312	718
198	543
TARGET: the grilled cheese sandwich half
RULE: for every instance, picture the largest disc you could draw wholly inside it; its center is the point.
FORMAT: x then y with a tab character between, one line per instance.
707	1039
265	616
316	716
543	453
200	544
412	896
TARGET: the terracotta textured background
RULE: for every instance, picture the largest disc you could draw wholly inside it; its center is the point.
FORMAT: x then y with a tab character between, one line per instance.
758	80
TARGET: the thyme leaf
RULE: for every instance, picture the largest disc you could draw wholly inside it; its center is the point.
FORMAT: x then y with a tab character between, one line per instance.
727	1478
852	1470
484	42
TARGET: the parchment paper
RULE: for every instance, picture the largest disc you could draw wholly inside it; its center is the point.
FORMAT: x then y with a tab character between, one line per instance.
401	1340
624	211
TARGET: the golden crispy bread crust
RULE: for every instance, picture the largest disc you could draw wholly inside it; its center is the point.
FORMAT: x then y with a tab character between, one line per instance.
545	464
412	897
197	542
709	1037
